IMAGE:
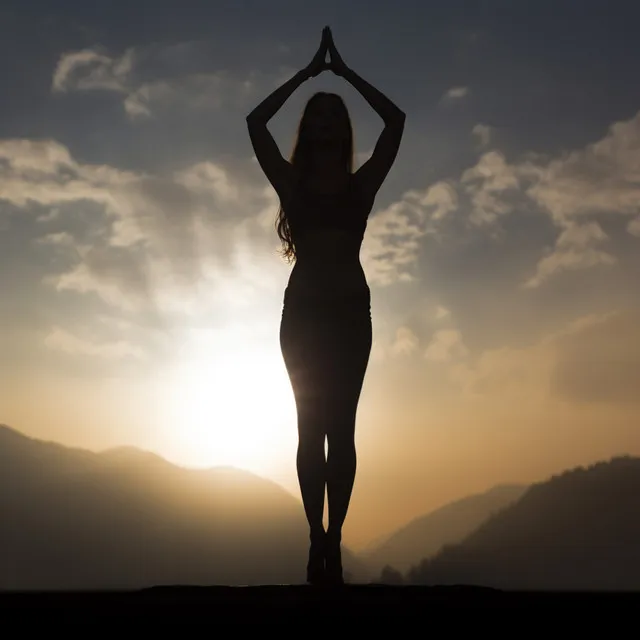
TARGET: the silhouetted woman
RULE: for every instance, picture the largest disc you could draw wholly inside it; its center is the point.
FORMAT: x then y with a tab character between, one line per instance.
325	330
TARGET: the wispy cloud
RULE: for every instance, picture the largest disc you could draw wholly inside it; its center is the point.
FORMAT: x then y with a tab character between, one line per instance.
442	312
454	94
144	93
576	192
91	70
562	364
406	342
150	234
446	346
391	246
196	92
574	249
482	133
59	339
486	183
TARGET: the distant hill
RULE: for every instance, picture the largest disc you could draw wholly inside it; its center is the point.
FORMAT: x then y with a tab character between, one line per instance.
579	530
426	535
125	518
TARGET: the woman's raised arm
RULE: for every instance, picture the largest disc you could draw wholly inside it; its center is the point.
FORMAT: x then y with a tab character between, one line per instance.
375	170
275	167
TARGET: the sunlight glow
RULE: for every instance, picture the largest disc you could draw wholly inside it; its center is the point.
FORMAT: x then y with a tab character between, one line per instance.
232	405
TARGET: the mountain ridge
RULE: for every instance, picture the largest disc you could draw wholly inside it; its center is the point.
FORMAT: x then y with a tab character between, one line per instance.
80	519
424	535
577	530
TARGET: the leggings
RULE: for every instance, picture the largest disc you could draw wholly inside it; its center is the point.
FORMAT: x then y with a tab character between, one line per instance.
326	347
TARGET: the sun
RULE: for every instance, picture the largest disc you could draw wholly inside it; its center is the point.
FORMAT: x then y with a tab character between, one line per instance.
233	405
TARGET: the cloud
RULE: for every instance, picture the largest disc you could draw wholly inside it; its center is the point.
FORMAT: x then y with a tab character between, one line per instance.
438	200
592	359
573	191
194	92
149	81
118	276
455	93
442	312
392	242
634	227
483	133
62	239
49	216
90	70
35	156
446	346
406	342
59	339
505	371
486	183
210	179
573	250
149	235
600	362
602	178
43	172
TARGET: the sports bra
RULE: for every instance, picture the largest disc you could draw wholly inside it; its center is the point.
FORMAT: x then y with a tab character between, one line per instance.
344	210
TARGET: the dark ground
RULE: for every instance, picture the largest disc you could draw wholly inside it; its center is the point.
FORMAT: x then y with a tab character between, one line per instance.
305	609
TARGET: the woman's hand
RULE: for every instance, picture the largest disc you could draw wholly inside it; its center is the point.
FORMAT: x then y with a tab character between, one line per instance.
319	63
337	64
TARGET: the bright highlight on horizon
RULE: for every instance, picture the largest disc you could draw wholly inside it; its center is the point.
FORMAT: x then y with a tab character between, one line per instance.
231	404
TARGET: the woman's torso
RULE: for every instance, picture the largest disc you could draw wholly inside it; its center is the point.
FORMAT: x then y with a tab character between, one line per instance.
328	227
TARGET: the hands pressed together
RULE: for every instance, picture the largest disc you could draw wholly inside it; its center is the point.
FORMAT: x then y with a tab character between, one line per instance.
319	63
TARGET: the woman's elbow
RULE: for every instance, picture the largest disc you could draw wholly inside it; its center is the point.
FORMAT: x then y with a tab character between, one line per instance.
255	118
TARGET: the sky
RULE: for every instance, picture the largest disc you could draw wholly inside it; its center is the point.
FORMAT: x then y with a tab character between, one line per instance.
140	282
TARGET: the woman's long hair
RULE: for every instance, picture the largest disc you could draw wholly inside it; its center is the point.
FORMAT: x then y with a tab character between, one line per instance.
300	160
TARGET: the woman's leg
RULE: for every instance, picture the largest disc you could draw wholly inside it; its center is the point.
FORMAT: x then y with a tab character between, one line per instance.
300	350
351	357
341	471
349	364
311	466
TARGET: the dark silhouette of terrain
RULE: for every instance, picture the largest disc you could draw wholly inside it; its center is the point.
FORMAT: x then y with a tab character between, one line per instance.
426	535
580	530
125	518
322	609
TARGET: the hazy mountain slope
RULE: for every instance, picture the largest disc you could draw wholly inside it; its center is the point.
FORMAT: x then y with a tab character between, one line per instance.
126	519
579	530
426	535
